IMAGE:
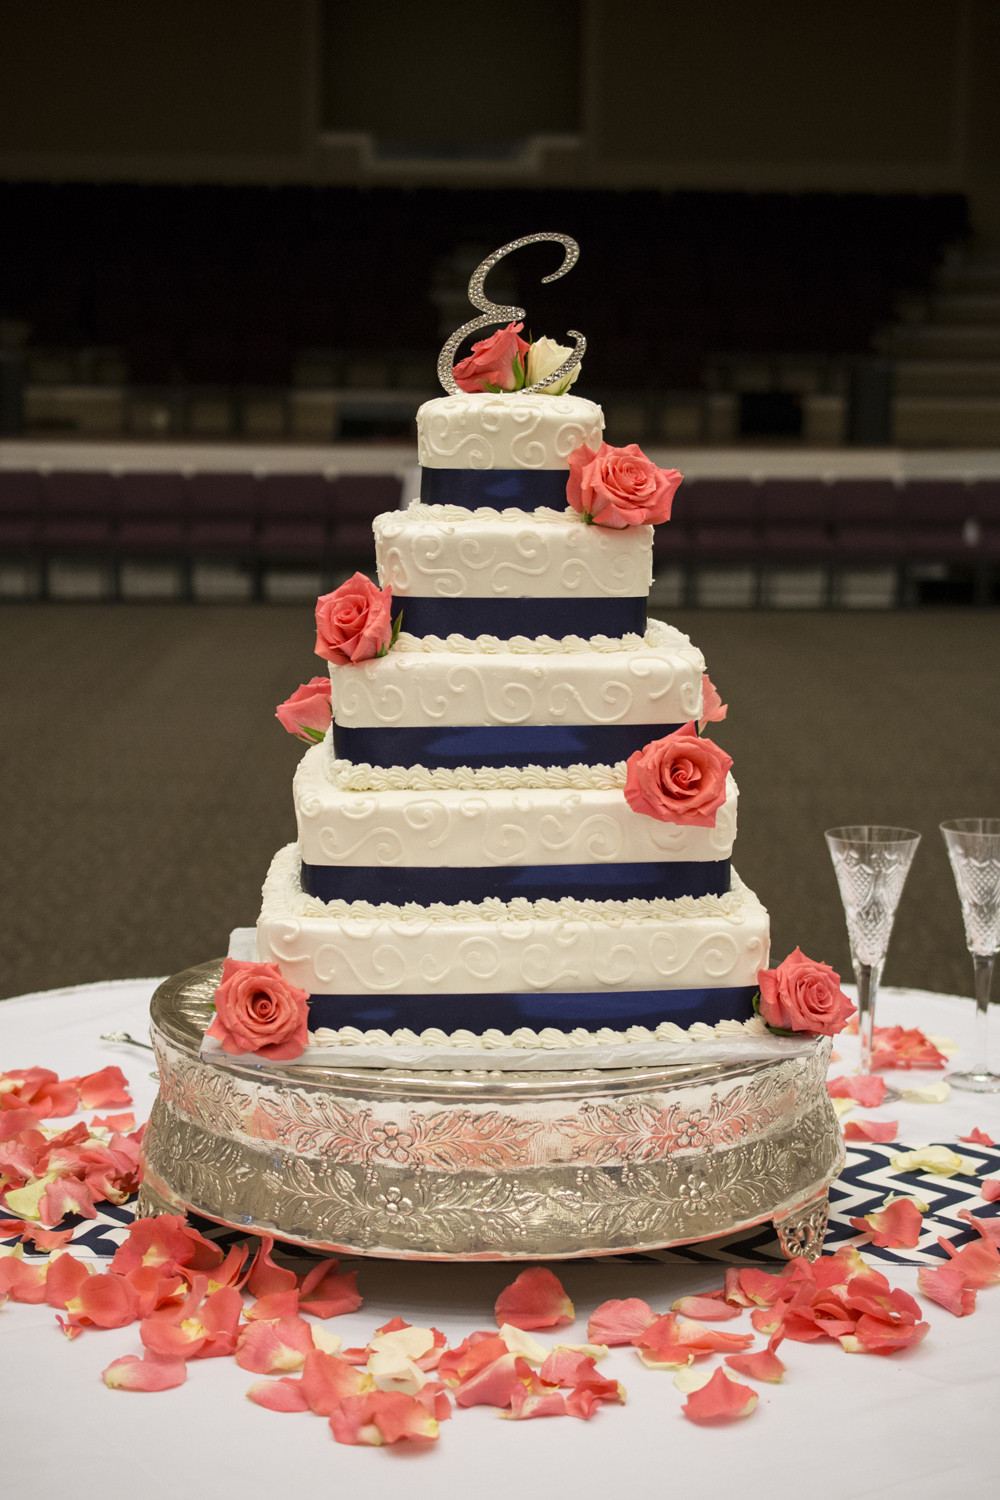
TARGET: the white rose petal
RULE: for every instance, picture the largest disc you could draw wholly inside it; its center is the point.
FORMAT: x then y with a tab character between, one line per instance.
544	356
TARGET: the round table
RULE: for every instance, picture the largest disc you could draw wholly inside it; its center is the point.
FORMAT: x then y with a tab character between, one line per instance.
914	1424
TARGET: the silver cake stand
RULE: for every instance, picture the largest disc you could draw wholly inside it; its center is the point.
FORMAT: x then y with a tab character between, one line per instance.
481	1165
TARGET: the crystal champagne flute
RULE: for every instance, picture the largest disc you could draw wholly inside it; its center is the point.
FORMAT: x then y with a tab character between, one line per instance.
974	850
871	864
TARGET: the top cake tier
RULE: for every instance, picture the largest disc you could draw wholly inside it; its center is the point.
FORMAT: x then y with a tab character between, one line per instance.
502	450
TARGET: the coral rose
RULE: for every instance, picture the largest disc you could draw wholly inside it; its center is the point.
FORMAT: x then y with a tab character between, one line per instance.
619	486
495	364
354	622
257	1010
306	713
803	995
679	779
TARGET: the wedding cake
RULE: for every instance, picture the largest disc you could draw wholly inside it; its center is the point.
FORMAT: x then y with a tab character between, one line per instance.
468	859
514	835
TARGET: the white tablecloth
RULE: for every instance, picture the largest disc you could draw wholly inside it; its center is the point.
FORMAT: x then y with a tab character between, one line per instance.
917	1424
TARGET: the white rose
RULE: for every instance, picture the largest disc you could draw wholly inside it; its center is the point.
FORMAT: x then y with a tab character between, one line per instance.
544	356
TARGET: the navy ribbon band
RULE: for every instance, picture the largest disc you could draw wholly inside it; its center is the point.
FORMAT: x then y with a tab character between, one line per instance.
495	744
507	617
500	489
592	1009
451	884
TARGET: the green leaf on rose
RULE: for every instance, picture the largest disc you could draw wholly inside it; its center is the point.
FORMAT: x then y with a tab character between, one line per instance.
519	376
397	626
774	1030
310	735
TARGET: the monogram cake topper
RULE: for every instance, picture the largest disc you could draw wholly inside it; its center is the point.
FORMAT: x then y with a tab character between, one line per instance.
492	312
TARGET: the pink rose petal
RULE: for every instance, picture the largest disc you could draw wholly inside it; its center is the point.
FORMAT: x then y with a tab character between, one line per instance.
524	1405
979	1261
130	1373
279	1395
708	1309
865	1089
536	1299
109	1086
328	1379
382	1417
275	1305
977	1138
764	1364
278	1348
893	1228
106	1301
266	1277
619	1322
494	1384
721	1399
115	1123
990	1189
871	1130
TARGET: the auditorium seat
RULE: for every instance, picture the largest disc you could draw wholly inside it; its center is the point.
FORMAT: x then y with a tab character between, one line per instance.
223	514
151	514
865	516
722	518
936	515
20	510
795	518
355	501
78	512
293	517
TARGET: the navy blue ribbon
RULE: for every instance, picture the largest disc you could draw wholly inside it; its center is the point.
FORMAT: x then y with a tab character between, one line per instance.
507	617
597	882
496	744
500	489
592	1009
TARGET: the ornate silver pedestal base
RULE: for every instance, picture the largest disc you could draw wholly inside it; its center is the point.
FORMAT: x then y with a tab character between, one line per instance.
480	1166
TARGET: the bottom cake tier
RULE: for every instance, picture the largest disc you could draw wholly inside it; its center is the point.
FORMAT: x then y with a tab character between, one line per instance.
503	965
480	1165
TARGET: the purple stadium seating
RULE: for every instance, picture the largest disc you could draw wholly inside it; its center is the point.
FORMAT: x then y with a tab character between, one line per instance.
722	517
152	509
935	514
222	514
865	515
79	510
795	517
20	509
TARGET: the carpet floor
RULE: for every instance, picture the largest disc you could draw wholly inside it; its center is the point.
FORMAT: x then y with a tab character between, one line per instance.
146	783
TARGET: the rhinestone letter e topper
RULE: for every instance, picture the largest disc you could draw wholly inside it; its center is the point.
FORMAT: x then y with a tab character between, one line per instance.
493	313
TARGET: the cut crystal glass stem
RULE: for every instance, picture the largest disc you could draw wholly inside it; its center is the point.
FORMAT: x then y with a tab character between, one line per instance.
983	970
867	976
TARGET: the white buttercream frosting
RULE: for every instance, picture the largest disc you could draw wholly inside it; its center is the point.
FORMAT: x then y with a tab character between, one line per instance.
362	777
447	552
499	827
549	1039
482	430
658	683
516	947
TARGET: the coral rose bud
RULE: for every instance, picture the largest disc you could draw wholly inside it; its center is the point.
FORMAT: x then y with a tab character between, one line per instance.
354	622
679	779
545	356
306	713
495	364
803	995
619	487
257	1010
